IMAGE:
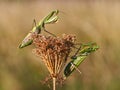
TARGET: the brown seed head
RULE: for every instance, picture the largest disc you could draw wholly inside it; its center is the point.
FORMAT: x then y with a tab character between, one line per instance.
53	51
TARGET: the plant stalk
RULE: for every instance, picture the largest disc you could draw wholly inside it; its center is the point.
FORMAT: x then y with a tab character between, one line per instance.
54	83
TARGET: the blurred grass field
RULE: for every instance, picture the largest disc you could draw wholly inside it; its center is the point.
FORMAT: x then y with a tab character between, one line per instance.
89	21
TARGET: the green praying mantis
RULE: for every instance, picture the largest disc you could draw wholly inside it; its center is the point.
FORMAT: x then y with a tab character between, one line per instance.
76	60
49	19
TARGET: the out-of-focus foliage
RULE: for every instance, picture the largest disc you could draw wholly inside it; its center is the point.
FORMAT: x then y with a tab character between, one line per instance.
90	21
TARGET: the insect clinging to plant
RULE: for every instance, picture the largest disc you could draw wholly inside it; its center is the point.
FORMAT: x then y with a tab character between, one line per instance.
49	19
83	51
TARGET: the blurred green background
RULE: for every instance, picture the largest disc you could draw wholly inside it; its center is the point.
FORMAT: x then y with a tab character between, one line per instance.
97	21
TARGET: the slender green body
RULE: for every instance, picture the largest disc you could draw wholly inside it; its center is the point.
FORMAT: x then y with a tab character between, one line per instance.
50	18
85	50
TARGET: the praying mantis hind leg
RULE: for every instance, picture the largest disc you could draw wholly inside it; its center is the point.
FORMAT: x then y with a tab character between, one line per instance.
76	44
34	22
76	68
49	32
75	47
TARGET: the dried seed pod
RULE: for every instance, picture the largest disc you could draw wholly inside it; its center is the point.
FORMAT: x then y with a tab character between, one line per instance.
53	51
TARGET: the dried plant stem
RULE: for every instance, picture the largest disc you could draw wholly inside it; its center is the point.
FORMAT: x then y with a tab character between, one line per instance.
54	83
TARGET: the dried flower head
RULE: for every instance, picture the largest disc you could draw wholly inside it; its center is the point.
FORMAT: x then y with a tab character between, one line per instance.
53	51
